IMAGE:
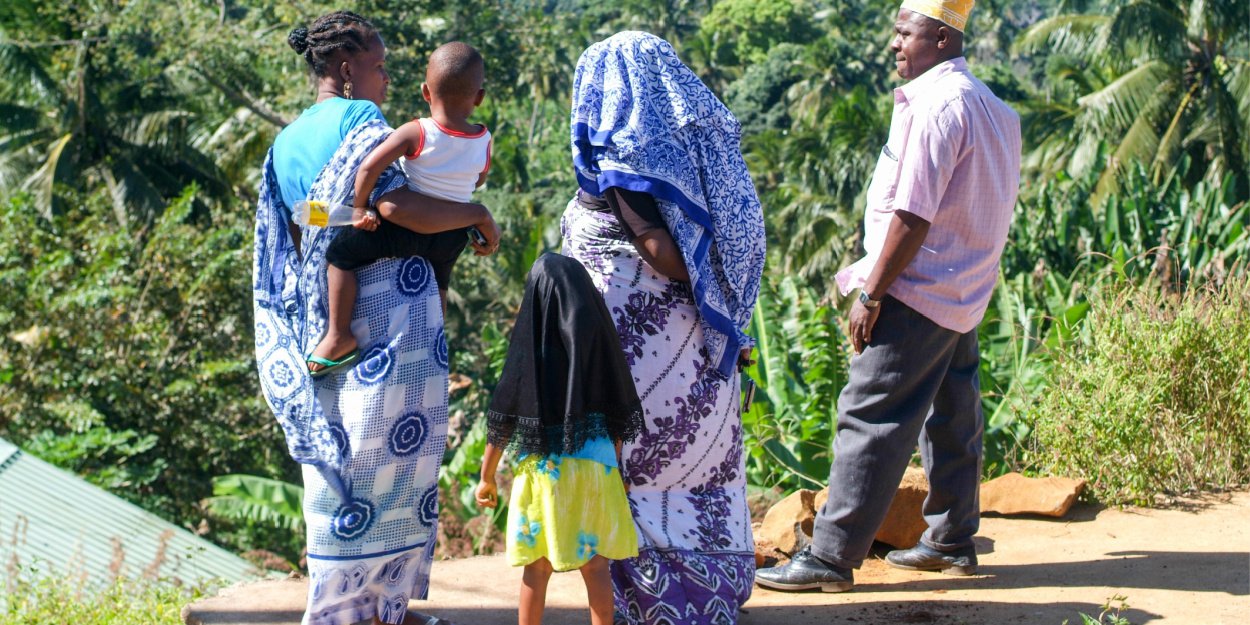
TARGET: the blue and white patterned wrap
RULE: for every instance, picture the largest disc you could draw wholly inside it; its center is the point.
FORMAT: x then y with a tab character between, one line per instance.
289	297
372	438
641	120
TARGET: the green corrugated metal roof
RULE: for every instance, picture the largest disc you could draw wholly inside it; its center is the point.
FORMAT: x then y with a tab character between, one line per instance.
52	519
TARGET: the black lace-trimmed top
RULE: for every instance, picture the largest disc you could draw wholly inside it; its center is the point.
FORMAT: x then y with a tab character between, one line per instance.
565	380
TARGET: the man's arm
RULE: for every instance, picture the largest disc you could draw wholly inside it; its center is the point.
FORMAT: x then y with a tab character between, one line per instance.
902	241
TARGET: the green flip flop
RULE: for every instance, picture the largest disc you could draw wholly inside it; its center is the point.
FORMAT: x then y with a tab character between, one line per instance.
331	366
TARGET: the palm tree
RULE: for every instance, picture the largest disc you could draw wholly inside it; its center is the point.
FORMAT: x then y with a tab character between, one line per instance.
75	120
827	165
1153	80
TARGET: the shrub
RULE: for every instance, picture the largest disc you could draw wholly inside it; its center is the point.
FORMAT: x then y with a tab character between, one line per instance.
1154	396
126	355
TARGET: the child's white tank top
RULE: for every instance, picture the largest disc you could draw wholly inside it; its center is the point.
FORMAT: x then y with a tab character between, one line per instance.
446	164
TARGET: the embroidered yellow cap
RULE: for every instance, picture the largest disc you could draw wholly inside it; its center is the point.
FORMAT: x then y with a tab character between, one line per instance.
953	13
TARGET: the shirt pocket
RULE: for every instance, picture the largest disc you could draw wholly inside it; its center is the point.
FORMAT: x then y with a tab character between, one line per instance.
884	180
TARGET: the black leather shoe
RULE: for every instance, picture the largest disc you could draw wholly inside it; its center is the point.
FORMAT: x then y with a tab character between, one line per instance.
806	572
925	558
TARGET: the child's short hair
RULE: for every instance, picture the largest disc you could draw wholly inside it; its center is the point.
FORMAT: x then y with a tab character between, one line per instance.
455	70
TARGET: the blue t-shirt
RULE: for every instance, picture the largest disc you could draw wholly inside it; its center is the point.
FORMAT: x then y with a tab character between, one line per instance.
306	145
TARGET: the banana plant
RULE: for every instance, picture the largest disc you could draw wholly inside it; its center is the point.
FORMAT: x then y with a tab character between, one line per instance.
801	368
255	499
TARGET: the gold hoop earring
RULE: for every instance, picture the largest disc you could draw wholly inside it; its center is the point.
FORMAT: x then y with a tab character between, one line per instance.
347	90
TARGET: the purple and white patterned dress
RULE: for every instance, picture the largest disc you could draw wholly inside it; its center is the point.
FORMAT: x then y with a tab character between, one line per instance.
685	470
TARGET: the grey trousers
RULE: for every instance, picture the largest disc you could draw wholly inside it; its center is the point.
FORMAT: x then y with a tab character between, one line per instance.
916	383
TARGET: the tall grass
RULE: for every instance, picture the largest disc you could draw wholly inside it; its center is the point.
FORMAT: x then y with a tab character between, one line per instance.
1154	396
29	598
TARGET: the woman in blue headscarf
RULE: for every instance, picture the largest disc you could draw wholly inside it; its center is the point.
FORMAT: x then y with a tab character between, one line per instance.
371	438
669	226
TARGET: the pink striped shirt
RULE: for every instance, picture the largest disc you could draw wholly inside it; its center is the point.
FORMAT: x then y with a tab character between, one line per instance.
952	159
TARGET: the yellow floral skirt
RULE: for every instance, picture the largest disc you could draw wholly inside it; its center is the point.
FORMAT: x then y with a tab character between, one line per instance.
568	510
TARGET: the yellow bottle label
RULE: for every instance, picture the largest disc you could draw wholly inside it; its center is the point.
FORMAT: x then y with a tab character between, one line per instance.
318	213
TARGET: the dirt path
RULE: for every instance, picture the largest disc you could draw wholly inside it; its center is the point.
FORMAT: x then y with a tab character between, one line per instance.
1187	566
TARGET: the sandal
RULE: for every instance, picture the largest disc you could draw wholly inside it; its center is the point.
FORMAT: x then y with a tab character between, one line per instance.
429	620
330	366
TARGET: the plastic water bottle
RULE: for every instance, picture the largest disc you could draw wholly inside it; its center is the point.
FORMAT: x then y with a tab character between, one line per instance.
322	214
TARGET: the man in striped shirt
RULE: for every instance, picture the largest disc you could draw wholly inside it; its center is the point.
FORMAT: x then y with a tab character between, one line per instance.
939	207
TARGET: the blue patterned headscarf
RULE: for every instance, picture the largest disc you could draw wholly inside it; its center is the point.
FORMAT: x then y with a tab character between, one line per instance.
290	299
643	121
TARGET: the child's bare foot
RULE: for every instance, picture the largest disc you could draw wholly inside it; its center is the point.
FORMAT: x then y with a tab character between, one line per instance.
334	351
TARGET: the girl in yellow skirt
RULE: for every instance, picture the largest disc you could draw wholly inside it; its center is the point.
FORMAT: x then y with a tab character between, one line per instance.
565	402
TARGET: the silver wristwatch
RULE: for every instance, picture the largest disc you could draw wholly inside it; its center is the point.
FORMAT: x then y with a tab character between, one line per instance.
868	302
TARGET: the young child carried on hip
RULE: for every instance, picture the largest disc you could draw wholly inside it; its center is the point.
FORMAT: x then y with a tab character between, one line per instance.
444	156
564	404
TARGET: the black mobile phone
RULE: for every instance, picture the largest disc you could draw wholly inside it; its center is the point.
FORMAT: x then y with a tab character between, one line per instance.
748	395
476	235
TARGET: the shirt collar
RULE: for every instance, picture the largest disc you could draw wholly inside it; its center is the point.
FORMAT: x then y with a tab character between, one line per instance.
910	90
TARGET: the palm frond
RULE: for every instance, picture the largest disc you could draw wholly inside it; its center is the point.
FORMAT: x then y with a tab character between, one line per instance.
1077	35
237	143
1237	83
1171	141
18	118
131	190
164	131
1224	21
1139	145
18	150
43	181
1221	132
1155	26
21	70
1121	103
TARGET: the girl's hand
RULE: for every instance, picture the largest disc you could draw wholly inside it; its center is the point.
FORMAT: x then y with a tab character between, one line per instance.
365	219
486	495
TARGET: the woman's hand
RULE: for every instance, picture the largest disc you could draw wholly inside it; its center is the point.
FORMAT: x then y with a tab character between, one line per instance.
486	494
744	358
490	231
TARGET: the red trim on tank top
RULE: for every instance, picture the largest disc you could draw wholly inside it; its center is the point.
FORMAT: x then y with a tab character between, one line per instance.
420	142
462	135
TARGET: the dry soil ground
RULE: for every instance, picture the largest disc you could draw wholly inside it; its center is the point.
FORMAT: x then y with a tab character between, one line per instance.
1189	565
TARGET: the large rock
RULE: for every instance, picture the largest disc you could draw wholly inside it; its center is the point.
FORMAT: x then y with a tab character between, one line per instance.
783	522
904	522
765	553
787	526
1016	494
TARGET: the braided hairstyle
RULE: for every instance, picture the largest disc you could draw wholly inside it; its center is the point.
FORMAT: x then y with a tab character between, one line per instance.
340	30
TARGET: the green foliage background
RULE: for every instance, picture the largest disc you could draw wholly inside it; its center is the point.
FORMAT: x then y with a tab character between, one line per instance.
132	131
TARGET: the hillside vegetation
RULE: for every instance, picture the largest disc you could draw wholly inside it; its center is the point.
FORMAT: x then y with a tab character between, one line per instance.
132	132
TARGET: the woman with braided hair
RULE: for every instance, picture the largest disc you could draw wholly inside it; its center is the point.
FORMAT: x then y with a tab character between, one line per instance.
371	438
